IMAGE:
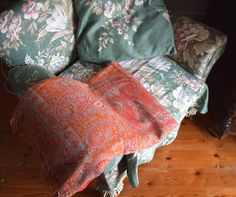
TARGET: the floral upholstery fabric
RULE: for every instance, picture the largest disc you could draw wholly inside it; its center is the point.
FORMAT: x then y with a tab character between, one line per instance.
173	86
21	78
110	30
198	46
111	116
39	33
81	72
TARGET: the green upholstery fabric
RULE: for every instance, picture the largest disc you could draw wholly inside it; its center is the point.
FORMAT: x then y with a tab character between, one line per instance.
174	87
198	46
39	33
22	77
123	30
81	72
132	169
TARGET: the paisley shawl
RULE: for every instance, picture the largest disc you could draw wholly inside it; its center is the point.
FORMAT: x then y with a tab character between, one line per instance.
77	128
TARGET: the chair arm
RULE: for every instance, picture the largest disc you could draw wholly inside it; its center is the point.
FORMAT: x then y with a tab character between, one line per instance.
21	78
198	46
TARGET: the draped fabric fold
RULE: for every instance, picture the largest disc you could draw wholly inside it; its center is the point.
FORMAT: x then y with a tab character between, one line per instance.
77	128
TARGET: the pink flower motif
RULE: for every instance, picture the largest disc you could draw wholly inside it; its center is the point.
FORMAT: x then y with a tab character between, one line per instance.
31	9
110	9
137	76
5	18
113	24
129	4
127	18
14	29
190	32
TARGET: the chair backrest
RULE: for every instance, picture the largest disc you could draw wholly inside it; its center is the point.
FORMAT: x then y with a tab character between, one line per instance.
39	33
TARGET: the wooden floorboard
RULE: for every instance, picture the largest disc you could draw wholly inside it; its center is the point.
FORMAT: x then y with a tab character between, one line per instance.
194	165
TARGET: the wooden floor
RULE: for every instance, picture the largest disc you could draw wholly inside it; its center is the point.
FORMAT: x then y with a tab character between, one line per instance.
195	165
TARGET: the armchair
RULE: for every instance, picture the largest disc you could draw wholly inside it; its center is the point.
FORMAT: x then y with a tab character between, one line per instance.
38	44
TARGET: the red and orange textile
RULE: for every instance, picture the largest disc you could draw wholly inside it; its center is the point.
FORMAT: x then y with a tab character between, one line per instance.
77	128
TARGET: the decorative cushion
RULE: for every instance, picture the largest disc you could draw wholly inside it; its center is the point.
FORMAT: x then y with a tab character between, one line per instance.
78	128
38	33
198	45
121	30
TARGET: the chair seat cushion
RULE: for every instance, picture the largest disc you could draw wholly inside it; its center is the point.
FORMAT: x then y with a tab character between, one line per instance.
172	85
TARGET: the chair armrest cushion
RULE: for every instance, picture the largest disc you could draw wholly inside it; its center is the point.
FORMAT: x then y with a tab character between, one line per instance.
198	46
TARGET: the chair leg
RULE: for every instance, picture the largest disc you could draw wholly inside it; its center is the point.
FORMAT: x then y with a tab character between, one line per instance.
111	184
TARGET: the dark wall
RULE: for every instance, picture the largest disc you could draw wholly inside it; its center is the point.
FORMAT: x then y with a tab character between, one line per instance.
6	3
192	8
222	79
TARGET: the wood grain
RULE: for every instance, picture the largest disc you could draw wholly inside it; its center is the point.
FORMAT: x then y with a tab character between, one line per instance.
195	165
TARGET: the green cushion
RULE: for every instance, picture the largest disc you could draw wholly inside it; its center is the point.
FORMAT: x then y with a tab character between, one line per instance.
21	78
199	46
38	33
122	30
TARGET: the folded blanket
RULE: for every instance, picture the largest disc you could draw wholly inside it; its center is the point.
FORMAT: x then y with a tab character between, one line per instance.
78	128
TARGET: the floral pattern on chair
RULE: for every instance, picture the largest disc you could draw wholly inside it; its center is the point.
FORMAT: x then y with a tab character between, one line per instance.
39	33
198	46
110	30
174	87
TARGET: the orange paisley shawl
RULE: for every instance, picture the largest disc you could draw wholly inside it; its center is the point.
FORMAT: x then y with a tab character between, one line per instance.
77	128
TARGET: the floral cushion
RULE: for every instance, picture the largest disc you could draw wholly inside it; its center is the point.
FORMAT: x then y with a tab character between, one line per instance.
38	33
198	45
120	30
